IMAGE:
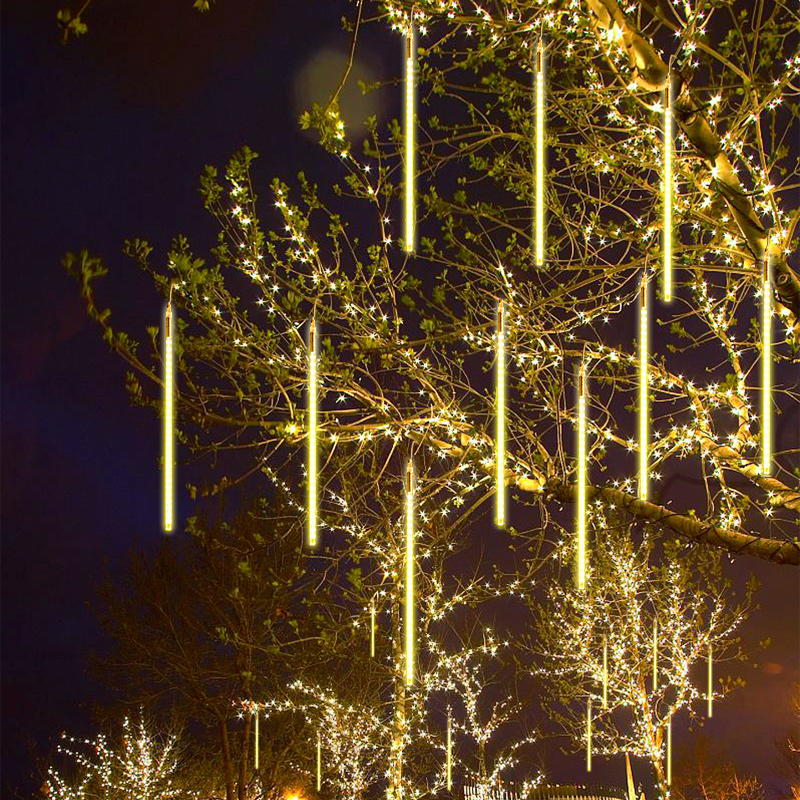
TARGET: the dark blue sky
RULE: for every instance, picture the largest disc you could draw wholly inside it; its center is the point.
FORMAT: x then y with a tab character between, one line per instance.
104	140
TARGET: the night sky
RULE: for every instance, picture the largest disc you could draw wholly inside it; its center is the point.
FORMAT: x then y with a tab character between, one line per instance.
103	140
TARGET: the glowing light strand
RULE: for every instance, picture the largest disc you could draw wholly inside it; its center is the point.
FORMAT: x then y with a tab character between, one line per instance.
669	752
766	368
312	435
539	156
589	734
256	747
644	421
655	654
409	140
319	761
500	421
605	673
668	190
372	628
449	770
169	422
581	504
409	593
710	682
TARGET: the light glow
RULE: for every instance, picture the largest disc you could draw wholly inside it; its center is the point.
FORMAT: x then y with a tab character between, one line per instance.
655	654
710	683
312	435
589	734
449	752
500	418
643	381
669	752
668	190
409	140
766	369
256	748
605	673
372	629
319	761
539	157
409	617
582	478
169	423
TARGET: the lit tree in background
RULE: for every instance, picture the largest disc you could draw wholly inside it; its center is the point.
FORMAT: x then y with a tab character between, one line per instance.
142	765
632	586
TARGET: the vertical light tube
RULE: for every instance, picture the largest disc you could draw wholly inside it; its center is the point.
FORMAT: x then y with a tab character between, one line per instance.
644	421
766	369
312	435
409	139
539	156
710	682
372	628
589	734
319	761
582	478
655	654
449	752
409	618
169	423
669	752
255	751
605	673
500	418
668	190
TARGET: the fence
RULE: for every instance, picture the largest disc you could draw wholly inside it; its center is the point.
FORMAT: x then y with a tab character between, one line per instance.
514	791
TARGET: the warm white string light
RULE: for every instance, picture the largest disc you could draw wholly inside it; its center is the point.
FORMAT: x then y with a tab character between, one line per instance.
409	139
312	435
581	504
500	418
539	156
409	616
668	189
766	367
644	422
169	422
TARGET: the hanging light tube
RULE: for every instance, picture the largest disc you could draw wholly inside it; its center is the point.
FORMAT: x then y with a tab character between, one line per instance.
449	752
539	156
312	434
500	418
710	683
169	422
655	654
256	748
668	189
605	673
409	139
589	734
766	368
319	761
372	628
409	616
669	752
582	477
644	421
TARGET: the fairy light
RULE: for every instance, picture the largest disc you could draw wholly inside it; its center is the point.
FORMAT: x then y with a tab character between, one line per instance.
668	189
766	368
605	673
500	414
539	157
589	734
312	435
582	478
319	761
409	618
409	140
255	751
643	400
372	628
710	682
449	752
169	422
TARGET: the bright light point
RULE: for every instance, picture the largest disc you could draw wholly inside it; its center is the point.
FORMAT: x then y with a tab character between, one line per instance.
169	422
312	435
766	369
581	478
539	157
409	141
500	417
643	400
409	599
668	190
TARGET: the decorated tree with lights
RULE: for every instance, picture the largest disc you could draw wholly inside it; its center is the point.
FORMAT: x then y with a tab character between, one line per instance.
636	643
137	764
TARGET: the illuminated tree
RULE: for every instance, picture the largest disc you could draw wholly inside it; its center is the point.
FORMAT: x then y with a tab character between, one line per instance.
142	765
636	598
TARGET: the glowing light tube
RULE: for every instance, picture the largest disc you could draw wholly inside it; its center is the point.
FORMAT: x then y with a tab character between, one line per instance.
669	752
710	683
589	734
539	157
312	435
409	617
605	673
500	418
449	752
372	628
255	750
169	423
766	370
319	761
644	421
668	190
409	141
582	478
655	654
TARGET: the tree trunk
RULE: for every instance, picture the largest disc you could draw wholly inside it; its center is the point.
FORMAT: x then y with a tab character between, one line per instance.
399	724
242	783
226	760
